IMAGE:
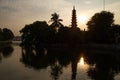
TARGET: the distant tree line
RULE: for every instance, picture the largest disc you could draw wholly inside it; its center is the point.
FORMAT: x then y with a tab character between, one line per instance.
101	29
6	34
40	33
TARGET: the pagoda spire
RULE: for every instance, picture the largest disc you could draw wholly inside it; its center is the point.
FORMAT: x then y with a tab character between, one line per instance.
74	7
74	20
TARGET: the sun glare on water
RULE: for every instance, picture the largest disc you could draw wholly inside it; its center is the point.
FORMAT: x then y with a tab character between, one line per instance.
81	61
81	64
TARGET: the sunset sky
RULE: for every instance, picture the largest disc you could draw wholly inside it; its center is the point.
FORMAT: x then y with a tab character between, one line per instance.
15	14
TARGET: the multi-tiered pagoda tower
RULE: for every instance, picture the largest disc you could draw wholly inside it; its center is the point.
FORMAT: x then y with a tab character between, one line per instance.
74	20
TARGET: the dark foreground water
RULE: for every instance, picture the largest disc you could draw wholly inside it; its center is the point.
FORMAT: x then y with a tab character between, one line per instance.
58	64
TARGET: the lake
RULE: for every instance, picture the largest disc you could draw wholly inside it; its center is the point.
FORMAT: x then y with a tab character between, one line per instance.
56	63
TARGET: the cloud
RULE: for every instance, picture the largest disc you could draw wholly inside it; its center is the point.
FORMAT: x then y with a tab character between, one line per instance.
88	2
7	9
115	8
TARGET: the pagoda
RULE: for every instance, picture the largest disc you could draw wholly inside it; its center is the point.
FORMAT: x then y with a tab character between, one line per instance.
74	20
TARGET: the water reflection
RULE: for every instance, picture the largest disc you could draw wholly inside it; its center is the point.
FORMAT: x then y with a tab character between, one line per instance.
98	66
82	61
5	51
82	64
56	71
54	57
104	66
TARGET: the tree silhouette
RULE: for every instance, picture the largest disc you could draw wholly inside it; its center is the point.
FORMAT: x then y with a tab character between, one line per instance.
56	70
6	34
37	33
99	27
56	22
115	33
63	35
1	36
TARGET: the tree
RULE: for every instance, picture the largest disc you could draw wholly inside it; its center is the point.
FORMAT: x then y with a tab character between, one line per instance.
75	36
56	22
37	33
99	27
1	36
115	33
63	35
6	34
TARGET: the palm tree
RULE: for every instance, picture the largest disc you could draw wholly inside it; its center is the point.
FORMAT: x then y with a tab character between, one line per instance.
56	22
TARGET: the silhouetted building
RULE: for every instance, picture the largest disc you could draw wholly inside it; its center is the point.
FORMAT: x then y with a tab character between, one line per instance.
74	20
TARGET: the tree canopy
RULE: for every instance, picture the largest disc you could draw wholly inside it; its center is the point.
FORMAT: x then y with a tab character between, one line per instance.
56	22
36	33
6	34
99	27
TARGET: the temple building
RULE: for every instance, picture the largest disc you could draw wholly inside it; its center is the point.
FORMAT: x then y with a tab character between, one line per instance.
74	20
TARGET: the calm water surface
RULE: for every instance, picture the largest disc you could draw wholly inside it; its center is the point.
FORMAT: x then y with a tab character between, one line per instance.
58	64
